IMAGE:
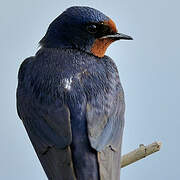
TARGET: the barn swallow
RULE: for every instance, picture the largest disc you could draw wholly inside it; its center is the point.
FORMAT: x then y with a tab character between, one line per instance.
70	99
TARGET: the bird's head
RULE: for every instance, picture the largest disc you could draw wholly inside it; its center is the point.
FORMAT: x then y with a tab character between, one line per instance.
83	28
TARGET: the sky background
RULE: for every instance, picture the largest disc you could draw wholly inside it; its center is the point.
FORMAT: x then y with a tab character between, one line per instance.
148	67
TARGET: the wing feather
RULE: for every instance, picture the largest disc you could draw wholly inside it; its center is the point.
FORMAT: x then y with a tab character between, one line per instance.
105	111
105	122
48	127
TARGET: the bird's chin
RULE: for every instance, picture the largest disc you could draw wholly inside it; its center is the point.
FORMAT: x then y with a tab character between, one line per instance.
100	46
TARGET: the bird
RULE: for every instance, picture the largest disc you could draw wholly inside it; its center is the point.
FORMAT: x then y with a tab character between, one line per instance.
70	98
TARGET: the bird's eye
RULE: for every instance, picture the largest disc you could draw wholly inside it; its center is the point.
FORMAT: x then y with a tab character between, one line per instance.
92	28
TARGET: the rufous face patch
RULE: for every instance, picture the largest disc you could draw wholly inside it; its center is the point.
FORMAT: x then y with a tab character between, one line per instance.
100	45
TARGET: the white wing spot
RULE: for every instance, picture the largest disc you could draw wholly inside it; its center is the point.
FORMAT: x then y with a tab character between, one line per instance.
67	83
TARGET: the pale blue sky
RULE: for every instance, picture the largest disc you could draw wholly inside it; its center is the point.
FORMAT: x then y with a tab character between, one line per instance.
149	70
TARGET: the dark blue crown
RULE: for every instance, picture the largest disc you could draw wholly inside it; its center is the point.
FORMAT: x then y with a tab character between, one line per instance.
69	29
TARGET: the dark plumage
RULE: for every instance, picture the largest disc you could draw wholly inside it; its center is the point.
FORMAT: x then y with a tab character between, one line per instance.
70	99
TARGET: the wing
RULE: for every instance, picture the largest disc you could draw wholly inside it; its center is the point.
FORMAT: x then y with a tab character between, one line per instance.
48	127
106	129
105	112
105	135
105	120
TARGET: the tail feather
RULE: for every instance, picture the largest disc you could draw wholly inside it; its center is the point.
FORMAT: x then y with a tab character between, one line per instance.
57	164
109	164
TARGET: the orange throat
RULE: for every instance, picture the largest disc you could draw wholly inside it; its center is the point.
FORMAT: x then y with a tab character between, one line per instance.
100	45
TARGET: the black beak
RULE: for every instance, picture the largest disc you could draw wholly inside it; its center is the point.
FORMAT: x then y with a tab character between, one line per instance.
117	36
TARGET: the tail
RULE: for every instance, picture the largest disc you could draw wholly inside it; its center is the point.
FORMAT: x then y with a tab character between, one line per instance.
85	161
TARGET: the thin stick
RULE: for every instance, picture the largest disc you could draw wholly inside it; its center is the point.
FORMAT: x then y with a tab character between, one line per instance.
140	153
